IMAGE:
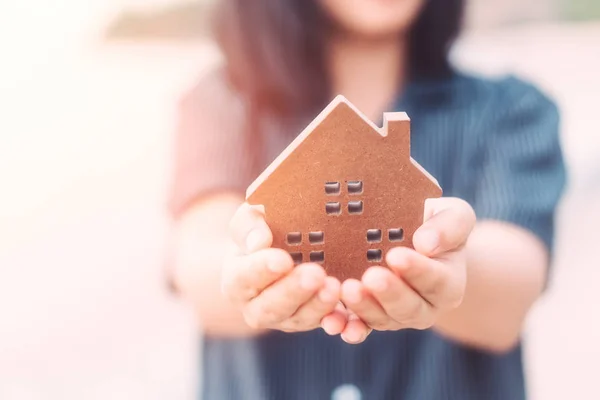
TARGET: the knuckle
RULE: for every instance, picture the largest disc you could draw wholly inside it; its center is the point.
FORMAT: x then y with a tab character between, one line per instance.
437	286
261	318
271	316
251	292
379	324
295	324
409	312
413	309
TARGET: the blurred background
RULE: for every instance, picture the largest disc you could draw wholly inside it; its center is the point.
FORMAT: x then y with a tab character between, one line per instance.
88	91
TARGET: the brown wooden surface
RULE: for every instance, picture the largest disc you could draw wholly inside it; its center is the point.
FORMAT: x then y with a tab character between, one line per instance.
340	146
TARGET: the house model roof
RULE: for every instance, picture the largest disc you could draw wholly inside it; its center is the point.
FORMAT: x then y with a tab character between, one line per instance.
310	129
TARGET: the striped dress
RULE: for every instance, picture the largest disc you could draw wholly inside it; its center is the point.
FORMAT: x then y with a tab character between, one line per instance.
494	143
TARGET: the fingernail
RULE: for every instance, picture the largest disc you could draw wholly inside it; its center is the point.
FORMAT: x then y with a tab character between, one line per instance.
357	341
366	335
429	240
253	240
309	282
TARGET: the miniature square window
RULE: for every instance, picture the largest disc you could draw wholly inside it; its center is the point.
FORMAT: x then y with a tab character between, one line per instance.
374	255
396	235
317	256
374	235
316	237
355	187
332	188
297	257
355	207
294	238
333	208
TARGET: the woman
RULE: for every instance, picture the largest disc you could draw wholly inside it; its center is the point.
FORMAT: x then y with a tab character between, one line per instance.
444	321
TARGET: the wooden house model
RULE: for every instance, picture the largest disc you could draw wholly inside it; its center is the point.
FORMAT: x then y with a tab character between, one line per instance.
345	191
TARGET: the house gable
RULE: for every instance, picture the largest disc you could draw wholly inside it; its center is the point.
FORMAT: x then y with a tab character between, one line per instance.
346	118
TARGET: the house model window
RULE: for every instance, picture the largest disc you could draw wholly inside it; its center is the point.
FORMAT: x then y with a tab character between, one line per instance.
374	235
316	237
332	188
294	238
396	235
374	255
297	258
355	207
317	256
333	208
345	191
355	187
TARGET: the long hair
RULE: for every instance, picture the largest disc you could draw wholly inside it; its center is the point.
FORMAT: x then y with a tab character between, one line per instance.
274	49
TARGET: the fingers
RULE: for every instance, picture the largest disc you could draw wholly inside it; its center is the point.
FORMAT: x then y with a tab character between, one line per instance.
335	322
310	314
244	277
441	285
360	302
282	299
356	330
249	229
448	223
398	300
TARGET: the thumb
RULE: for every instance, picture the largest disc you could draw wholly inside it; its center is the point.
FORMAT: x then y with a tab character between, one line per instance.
448	224
249	229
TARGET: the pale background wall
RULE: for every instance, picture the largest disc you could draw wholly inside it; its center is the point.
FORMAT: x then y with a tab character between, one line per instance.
85	131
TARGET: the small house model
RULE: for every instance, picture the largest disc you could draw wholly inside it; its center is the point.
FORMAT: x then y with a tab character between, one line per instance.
345	191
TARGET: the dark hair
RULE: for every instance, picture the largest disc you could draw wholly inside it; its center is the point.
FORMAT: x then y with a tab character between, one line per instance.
274	48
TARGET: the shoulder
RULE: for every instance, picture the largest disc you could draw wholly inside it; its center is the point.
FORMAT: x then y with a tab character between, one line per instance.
212	101
476	99
508	96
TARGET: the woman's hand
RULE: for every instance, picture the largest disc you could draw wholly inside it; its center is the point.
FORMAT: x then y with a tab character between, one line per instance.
419	284
269	291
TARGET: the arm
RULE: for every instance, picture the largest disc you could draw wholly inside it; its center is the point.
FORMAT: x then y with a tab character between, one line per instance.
221	262
506	274
475	282
241	286
210	172
472	282
199	243
508	254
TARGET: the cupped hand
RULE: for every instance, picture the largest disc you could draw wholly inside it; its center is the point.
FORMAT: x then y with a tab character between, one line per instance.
269	290
419	284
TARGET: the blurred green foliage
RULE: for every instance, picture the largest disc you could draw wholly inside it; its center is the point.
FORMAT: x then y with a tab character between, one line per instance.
580	9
